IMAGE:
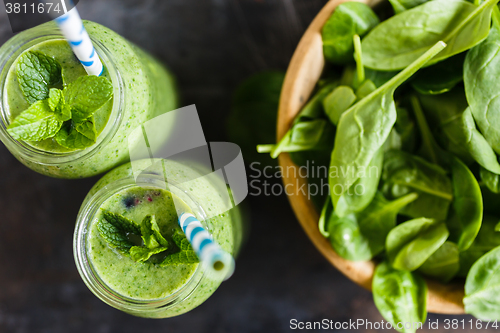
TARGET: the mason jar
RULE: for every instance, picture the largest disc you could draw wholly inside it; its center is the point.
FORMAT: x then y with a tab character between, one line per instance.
143	89
148	289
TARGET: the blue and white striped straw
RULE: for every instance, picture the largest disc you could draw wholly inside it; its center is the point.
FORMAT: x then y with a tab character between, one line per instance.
72	28
216	260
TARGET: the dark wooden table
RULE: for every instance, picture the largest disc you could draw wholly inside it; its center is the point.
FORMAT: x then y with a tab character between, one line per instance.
211	46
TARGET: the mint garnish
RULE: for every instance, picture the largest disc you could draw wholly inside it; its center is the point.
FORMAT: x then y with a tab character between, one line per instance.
77	135
115	229
36	73
114	236
186	255
37	123
75	105
57	105
142	254
121	222
87	95
151	235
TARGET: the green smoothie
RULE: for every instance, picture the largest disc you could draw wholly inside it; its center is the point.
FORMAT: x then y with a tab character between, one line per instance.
144	281
72	69
142	90
182	286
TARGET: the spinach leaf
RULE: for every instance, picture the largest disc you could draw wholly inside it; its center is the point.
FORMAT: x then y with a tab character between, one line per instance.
337	102
324	218
411	243
491	180
402	5
400	296
482	287
456	130
481	72
363	129
403	135
467	205
458	23
487	239
361	193
361	236
348	19
377	77
310	130
404	173
441	77
443	264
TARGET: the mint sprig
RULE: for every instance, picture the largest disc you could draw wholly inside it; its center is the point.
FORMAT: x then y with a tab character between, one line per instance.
186	255
66	115
121	222
115	237
116	230
36	74
37	123
87	95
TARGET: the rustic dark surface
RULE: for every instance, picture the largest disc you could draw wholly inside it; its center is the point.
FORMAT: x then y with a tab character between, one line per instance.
211	45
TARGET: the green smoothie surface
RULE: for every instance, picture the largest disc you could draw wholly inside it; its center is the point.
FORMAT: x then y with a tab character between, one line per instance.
148	280
15	102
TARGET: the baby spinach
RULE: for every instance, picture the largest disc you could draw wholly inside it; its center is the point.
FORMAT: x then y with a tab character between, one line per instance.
362	191
467	206
348	19
441	77
404	173
481	72
310	130
361	236
374	117
487	239
482	287
338	101
411	243
400	296
402	5
491	180
458	23
443	264
456	130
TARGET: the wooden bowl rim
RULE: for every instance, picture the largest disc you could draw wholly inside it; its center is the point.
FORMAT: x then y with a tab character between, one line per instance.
303	72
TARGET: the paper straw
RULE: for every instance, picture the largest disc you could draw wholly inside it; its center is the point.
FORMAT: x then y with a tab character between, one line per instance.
216	260
72	28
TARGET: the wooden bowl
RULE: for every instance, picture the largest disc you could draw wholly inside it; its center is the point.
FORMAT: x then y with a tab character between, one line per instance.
303	72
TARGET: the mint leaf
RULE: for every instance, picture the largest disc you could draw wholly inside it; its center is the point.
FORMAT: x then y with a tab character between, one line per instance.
186	255
121	222
183	257
77	135
181	241
36	123
58	105
156	231
141	253
86	95
151	233
114	236
36	72
147	233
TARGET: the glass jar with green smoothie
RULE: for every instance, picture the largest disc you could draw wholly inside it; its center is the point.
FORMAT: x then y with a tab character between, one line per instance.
134	88
129	248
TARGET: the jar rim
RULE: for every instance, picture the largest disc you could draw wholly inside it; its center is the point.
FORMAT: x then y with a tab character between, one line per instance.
91	278
10	53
